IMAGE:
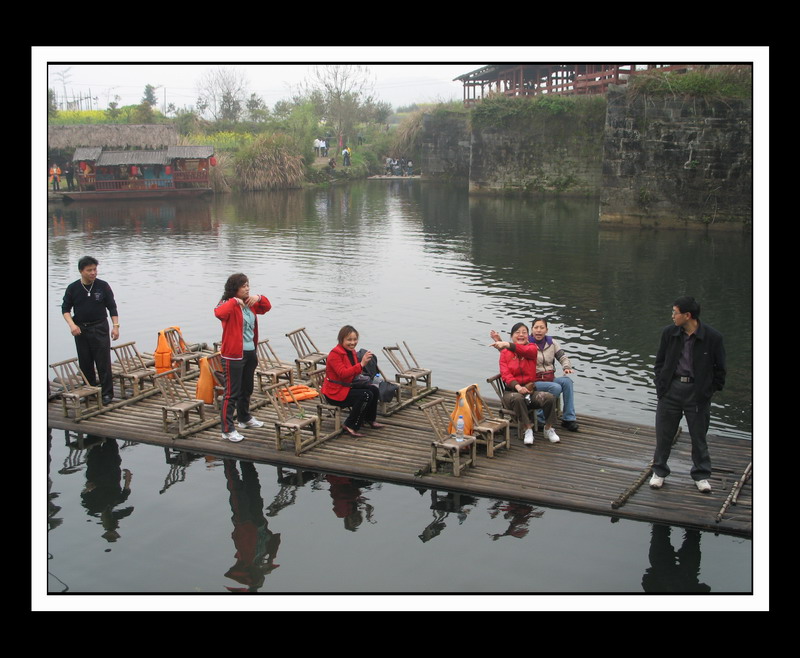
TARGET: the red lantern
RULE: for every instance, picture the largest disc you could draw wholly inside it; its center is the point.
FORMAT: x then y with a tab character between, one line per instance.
83	166
134	170
168	170
213	161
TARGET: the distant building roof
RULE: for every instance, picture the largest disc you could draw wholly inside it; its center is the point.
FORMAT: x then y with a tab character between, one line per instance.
109	158
190	152
90	153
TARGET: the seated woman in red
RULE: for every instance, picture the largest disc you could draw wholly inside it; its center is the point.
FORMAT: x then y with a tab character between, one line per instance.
345	386
518	372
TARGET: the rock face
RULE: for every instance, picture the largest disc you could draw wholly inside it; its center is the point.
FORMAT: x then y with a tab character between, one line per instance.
652	161
677	162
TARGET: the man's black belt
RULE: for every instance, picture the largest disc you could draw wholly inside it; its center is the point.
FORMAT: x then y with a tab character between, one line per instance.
685	380
92	323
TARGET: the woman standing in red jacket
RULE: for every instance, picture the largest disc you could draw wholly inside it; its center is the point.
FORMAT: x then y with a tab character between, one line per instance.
237	311
346	386
518	372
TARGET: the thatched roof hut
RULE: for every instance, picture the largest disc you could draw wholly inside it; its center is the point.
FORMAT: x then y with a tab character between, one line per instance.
113	135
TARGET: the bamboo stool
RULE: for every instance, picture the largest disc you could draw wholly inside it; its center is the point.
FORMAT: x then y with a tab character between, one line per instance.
449	451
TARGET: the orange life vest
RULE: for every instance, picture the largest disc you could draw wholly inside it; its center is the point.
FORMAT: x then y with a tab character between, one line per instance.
468	405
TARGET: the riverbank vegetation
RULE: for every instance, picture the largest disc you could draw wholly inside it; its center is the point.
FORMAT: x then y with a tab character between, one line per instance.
713	83
265	148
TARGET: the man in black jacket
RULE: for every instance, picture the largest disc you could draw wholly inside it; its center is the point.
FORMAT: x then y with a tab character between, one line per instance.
689	369
86	306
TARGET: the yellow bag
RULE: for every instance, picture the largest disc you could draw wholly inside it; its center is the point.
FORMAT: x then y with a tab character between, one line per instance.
468	405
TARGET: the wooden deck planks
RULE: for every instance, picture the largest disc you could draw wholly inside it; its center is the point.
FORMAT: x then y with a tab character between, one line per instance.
587	471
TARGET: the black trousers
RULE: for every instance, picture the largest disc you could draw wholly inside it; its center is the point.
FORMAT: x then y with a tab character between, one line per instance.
363	404
93	345
238	389
679	401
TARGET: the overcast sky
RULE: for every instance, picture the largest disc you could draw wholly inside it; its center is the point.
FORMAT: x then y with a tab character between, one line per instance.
402	75
399	84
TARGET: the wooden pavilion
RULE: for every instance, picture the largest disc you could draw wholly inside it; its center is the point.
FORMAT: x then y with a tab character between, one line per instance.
538	79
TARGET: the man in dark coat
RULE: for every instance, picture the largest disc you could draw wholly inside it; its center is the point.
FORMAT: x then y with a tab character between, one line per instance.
689	369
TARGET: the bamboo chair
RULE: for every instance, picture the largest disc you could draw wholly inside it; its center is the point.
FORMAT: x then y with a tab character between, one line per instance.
179	402
309	358
294	419
489	430
181	354
214	362
402	363
270	368
130	366
445	448
324	408
75	389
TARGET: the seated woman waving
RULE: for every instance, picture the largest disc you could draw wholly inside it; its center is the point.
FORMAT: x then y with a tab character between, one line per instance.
346	386
518	372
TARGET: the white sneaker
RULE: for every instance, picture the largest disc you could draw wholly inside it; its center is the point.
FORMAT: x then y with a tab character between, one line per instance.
253	422
528	438
656	482
234	436
551	435
704	486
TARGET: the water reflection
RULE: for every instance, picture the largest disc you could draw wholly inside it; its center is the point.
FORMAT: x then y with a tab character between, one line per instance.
108	486
673	570
518	515
256	545
349	502
443	505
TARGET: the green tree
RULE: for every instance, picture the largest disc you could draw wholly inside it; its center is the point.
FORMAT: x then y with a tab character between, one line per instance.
52	110
222	93
150	96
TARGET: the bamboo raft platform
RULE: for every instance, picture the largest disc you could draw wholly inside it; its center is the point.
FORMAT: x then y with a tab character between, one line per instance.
602	469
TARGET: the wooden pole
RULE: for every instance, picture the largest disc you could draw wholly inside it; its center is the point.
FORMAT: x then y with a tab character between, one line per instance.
735	489
623	498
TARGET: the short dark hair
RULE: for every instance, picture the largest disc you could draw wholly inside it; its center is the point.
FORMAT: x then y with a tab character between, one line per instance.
688	304
535	320
85	262
345	331
232	285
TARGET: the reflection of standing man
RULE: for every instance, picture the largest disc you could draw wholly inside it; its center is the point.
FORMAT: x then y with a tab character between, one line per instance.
689	369
89	299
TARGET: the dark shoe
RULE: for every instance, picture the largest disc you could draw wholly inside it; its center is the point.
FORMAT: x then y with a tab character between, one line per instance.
570	425
108	400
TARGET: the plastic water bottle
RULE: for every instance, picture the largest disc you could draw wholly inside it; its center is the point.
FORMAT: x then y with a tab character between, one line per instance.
460	429
377	379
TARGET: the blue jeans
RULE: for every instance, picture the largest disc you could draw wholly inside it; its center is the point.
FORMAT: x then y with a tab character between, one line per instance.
559	386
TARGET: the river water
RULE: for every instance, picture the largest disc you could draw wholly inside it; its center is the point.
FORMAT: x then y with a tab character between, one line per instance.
401	261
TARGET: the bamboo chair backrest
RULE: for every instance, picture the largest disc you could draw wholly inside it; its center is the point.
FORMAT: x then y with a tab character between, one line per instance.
172	387
302	342
476	404
497	385
399	359
214	362
128	357
439	417
266	355
317	378
69	375
176	342
283	401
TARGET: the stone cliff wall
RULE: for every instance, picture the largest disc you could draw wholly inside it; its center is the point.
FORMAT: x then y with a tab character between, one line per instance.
677	162
651	161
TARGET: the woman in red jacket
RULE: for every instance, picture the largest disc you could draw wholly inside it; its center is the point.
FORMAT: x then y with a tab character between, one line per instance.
237	311
518	372
345	386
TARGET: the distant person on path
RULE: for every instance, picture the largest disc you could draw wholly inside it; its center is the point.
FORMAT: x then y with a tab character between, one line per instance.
85	306
55	173
237	310
346	156
518	372
316	147
689	369
69	173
